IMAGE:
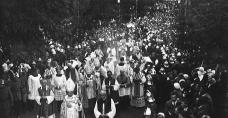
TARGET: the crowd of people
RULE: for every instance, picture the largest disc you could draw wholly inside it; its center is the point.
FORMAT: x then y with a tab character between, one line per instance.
106	82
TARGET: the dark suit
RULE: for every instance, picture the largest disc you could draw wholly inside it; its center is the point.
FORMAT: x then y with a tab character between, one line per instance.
171	108
201	83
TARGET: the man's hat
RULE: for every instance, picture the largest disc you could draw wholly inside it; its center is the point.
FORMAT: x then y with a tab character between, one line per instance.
201	70
176	85
33	62
2	81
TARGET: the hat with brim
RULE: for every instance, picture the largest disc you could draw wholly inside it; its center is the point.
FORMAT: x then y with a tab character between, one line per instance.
177	85
151	100
201	70
147	112
2	81
210	72
33	62
161	114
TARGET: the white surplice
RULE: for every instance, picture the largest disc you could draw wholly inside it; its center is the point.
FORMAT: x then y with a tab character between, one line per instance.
33	84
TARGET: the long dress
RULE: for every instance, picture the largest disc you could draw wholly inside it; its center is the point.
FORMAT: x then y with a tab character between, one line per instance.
91	90
70	107
137	98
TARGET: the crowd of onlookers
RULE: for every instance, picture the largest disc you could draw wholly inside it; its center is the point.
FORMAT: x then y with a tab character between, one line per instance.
158	85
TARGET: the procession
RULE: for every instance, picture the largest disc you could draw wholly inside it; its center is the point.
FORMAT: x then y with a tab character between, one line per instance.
81	88
143	67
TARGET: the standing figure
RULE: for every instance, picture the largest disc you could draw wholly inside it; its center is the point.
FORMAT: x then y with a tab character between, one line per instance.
40	66
105	106
49	72
16	91
90	84
83	91
121	67
138	89
110	65
97	78
99	52
150	86
111	51
71	105
72	73
6	75
6	99
33	85
23	76
45	101
111	86
171	106
59	83
201	79
124	90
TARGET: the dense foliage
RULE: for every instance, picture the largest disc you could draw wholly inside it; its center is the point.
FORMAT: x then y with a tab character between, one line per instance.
27	24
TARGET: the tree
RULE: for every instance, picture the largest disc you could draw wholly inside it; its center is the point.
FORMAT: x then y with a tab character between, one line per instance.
203	26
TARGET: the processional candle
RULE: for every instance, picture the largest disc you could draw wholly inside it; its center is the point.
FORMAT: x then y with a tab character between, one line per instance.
103	111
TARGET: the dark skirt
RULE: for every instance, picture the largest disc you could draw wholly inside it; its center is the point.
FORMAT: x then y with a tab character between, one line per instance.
45	110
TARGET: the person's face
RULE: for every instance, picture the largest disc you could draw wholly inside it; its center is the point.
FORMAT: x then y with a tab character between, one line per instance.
182	84
108	60
43	83
173	97
49	65
149	76
70	93
121	72
58	71
109	74
36	72
103	96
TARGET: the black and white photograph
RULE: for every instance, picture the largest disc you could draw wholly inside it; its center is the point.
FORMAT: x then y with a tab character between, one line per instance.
113	58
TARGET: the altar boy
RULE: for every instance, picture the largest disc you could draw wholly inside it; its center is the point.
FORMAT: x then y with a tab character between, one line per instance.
45	101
